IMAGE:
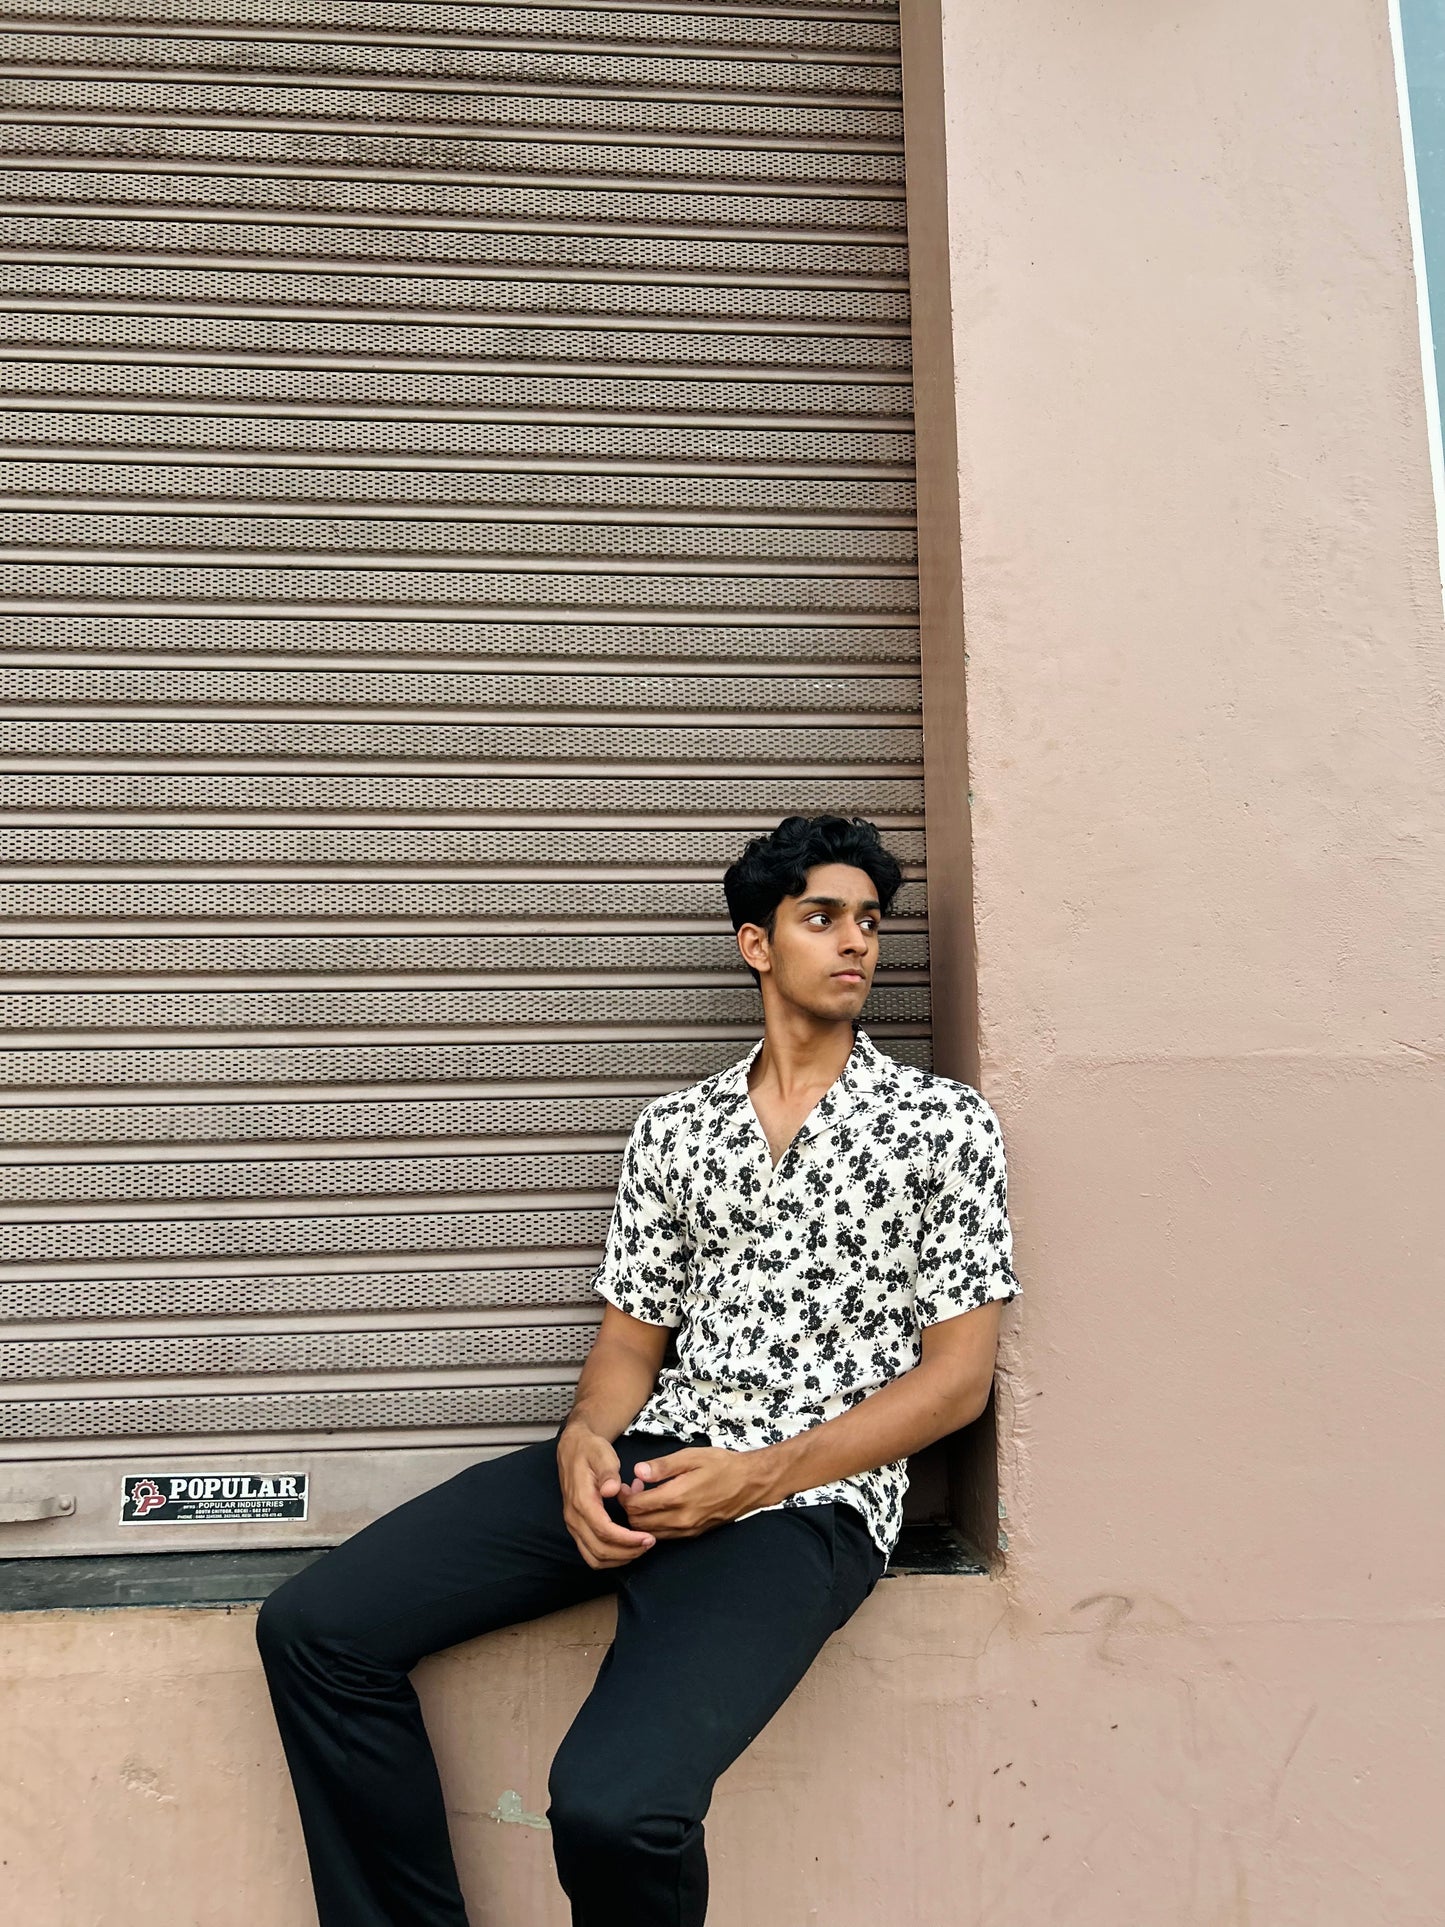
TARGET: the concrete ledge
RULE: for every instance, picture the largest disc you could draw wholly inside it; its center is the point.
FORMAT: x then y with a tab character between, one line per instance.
954	1757
142	1781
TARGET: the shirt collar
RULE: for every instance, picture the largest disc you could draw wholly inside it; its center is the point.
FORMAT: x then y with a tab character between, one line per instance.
863	1073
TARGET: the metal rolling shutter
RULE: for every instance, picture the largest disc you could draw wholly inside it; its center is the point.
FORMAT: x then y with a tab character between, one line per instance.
457	485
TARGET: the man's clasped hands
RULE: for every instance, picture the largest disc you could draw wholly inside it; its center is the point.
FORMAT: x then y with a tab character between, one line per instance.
677	1496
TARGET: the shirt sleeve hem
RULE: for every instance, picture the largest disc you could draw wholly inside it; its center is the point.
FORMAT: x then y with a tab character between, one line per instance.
1001	1288
616	1293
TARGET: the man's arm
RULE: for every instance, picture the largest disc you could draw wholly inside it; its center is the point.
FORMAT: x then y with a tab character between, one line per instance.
615	1384
691	1491
945	1391
641	1280
619	1375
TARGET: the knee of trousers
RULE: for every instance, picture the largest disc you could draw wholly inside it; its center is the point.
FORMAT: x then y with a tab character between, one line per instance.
288	1627
596	1817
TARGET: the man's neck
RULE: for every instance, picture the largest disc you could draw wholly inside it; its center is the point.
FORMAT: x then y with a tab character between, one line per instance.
801	1055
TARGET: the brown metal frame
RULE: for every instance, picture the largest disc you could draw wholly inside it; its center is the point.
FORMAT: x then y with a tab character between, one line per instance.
940	559
959	1475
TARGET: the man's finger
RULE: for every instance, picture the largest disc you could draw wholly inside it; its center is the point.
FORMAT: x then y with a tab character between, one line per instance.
610	1534
598	1553
604	1558
681	1529
599	1558
655	1470
646	1508
602	1526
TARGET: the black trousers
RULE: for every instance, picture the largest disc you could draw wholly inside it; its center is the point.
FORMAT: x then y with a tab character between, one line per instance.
713	1634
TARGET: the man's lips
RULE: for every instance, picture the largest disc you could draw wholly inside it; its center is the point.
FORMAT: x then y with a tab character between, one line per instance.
850	976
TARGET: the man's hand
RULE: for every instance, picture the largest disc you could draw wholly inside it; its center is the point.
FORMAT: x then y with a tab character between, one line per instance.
590	1472
689	1492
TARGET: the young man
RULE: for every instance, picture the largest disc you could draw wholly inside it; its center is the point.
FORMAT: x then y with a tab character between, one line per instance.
823	1233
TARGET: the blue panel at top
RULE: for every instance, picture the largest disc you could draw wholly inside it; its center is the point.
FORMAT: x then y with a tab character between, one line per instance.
1422	25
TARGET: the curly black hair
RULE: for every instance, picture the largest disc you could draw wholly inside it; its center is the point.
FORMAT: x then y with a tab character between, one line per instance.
776	866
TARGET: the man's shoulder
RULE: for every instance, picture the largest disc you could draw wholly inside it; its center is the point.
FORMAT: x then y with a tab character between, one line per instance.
929	1098
664	1114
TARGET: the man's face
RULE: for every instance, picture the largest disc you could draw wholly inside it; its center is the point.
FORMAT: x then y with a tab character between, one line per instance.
824	947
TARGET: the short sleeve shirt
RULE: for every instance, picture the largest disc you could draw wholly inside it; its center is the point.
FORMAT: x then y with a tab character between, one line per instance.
796	1290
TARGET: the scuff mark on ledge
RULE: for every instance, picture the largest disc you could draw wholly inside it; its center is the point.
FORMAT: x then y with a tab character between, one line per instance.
509	1811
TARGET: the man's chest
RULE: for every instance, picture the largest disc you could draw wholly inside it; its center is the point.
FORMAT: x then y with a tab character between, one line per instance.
829	1199
800	1273
779	1119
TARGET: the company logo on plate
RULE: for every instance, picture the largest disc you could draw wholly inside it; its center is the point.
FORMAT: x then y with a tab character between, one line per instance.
212	1498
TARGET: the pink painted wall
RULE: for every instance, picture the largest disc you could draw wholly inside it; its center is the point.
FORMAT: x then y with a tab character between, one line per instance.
1206	659
1206	662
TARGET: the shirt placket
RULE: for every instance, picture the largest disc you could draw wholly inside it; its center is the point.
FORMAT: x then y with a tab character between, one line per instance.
767	1238
762	1232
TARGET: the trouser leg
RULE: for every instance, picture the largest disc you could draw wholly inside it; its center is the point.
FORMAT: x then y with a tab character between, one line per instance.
713	1634
486	1549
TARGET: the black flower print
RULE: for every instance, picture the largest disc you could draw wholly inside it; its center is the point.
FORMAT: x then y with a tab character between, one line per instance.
797	1290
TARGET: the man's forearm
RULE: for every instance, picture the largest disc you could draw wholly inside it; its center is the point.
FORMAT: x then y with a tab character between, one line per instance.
902	1417
615	1384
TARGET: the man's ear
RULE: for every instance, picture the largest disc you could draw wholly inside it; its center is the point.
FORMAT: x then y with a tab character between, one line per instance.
753	944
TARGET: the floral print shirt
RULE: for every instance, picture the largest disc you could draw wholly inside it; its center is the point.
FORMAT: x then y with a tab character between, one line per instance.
795	1290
